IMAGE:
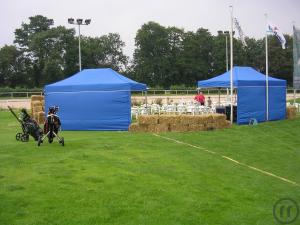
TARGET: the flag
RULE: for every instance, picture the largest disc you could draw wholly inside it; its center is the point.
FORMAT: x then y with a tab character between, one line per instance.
275	30
241	33
296	56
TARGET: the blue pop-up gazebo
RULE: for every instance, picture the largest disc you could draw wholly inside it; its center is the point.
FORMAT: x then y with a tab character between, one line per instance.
93	99
251	94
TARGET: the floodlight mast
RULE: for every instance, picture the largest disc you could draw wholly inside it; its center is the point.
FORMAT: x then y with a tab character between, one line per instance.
79	22
226	33
231	64
50	22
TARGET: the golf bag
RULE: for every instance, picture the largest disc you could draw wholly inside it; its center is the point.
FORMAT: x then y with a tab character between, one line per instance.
29	126
51	127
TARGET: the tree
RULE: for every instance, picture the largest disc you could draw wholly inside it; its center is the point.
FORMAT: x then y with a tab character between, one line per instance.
218	64
12	66
255	54
24	34
150	54
174	62
24	37
164	56
104	51
281	60
197	54
48	47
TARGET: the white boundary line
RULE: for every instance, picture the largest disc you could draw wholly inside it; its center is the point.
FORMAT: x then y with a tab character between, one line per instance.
230	159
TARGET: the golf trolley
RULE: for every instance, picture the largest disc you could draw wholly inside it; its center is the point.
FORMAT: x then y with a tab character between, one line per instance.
51	127
29	126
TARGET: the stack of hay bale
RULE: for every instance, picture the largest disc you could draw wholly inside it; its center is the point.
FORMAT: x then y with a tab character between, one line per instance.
291	112
38	108
179	123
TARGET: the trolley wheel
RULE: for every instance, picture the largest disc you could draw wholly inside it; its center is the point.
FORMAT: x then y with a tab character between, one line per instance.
50	140
39	141
25	138
19	136
62	141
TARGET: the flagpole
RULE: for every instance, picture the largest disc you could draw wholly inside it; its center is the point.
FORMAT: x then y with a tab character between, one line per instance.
231	64
267	72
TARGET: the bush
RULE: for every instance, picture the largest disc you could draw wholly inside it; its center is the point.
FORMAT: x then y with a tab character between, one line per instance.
157	87
181	87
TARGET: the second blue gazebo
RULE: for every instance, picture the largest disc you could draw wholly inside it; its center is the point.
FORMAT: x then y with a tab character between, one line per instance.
251	94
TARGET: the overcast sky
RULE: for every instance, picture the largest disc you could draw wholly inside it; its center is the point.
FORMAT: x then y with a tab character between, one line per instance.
126	16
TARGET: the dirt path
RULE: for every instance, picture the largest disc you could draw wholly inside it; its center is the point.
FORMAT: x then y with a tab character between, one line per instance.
15	103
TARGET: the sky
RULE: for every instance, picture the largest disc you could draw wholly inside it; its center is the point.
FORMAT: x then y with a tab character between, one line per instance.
127	16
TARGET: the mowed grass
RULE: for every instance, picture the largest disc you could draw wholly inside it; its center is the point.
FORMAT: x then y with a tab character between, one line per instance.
127	178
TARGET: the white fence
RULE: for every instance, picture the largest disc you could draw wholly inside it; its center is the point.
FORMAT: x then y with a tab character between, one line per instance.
8	95
150	92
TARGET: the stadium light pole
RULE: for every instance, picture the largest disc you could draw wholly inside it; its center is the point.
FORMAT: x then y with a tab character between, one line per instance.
231	64
226	36
79	22
294	24
267	70
50	22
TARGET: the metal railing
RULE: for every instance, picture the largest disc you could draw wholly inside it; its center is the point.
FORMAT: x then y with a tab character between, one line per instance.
178	92
150	92
10	95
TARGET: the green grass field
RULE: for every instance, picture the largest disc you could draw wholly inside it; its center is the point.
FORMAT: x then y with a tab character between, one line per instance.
135	179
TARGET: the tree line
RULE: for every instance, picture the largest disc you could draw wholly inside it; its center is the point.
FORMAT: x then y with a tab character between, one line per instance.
163	56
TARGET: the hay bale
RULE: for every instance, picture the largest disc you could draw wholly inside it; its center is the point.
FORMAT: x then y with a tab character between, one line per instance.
225	124
35	116
179	127
41	113
135	127
179	123
222	123
148	119
207	118
157	128
41	117
161	128
187	119
291	112
165	119
37	109
196	127
210	118
219	121
200	119
36	103
211	126
151	128
37	98
169	119
218	117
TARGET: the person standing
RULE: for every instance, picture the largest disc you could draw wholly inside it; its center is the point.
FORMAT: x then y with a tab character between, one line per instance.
200	98
209	102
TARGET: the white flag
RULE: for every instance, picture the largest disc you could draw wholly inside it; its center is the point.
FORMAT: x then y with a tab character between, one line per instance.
241	33
275	30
